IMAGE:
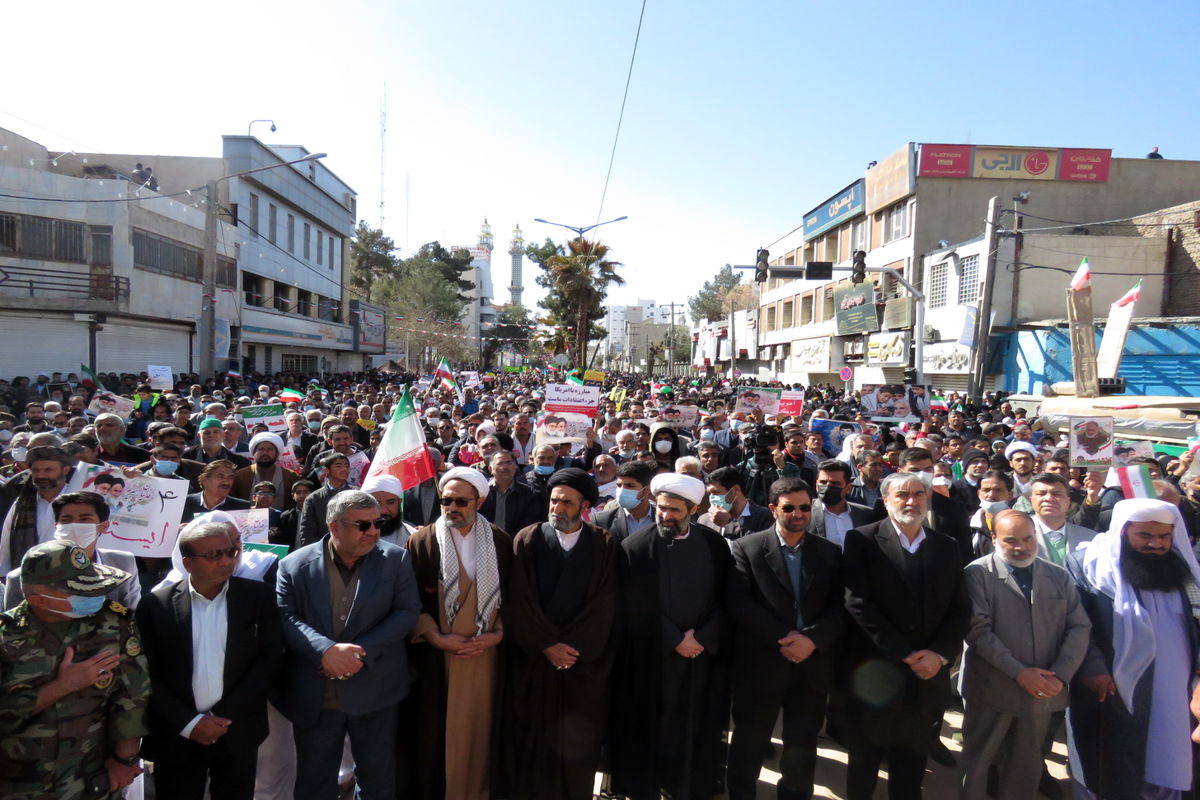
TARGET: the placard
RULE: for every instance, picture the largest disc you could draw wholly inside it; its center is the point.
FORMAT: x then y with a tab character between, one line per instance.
556	427
1091	442
108	403
791	403
833	432
1124	452
679	416
895	402
758	400
572	398
253	524
144	511
593	377
269	415
160	377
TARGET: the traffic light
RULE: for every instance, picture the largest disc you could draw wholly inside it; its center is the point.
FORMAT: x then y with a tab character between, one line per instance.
761	266
858	267
819	270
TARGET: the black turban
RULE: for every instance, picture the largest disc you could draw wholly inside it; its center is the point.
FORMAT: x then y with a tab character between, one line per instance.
577	479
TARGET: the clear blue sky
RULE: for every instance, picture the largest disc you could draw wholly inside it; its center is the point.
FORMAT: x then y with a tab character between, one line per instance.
741	116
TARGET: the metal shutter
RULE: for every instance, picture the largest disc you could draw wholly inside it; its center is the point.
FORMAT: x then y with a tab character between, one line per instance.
126	346
42	343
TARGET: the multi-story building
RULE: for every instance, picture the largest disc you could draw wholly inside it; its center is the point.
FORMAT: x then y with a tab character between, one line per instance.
904	213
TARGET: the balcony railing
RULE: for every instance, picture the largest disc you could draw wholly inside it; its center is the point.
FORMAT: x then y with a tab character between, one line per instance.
37	282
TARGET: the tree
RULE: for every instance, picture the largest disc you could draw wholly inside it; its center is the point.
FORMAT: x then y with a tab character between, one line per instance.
710	302
511	333
426	295
578	281
371	258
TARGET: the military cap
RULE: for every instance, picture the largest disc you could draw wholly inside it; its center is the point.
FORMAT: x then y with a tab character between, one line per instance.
65	566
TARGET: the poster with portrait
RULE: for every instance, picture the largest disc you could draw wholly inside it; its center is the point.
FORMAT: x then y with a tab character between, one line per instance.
758	400
572	398
144	511
833	432
1124	452
161	378
895	402
1091	441
108	403
679	417
557	427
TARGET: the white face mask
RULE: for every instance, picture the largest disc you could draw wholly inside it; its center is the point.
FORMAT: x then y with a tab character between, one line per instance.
993	506
663	445
81	533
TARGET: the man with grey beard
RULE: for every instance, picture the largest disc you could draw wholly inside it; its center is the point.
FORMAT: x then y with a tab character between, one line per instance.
1018	663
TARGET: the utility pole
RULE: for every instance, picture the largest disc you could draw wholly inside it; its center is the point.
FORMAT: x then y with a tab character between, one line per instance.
983	312
732	343
208	299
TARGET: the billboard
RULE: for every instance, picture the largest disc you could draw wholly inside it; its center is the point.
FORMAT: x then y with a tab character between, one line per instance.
1017	163
843	205
854	307
891	179
370	327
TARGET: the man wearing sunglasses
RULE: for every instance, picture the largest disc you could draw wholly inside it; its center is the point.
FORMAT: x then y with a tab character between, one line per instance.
785	594
348	603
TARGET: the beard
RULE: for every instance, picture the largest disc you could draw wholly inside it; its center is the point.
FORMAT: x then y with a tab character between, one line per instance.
1016	562
390	525
1154	573
564	523
670	529
265	461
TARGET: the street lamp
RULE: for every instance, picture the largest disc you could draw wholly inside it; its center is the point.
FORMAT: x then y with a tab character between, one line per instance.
251	125
208	310
579	231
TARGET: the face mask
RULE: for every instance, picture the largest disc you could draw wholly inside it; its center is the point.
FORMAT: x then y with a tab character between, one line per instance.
830	495
663	446
926	478
80	606
310	407
544	469
706	435
80	533
630	453
735	424
993	506
61	431
628	498
314	425
166	468
18	453
6	435
721	501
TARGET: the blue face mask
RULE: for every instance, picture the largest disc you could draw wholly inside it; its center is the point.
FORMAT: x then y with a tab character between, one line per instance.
706	434
80	606
544	469
721	501
628	498
314	425
166	468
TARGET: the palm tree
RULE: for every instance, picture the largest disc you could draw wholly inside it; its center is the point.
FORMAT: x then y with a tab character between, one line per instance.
581	278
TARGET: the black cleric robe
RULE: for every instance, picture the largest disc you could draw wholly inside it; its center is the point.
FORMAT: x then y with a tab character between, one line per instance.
669	712
555	721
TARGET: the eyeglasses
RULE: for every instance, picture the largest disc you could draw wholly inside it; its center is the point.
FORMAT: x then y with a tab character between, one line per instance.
365	525
461	502
790	509
217	555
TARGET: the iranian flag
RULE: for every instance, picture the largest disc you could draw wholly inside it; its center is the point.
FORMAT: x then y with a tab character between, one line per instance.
938	403
291	396
403	451
1083	277
1136	482
1130	297
574	378
445	379
88	378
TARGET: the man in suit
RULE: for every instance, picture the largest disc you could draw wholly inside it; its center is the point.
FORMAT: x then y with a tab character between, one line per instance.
214	646
905	594
634	509
785	594
510	504
1057	539
421	501
212	446
167	461
312	516
348	603
299	438
1019	663
944	515
81	517
730	512
832	514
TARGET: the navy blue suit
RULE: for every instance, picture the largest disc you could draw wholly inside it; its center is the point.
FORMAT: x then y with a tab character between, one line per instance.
384	610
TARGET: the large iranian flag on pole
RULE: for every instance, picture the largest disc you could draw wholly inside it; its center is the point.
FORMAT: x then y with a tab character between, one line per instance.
403	451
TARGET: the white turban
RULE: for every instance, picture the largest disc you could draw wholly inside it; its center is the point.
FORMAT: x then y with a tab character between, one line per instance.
468	474
383	483
1133	632
1017	447
269	438
685	486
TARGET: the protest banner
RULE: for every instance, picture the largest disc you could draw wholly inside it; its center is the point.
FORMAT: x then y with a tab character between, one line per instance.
253	524
679	416
1124	452
791	403
160	377
895	402
833	432
571	398
556	427
288	460
269	415
593	377
758	400
144	511
1091	441
108	403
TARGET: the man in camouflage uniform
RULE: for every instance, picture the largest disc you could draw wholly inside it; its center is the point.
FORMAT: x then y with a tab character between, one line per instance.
73	681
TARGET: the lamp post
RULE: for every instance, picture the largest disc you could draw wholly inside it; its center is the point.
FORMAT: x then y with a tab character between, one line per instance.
580	231
208	310
253	121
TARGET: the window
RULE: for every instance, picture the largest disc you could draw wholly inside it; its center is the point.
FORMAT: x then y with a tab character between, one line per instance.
267	359
304	302
253	221
325	308
281	301
770	318
895	222
858	235
968	280
806	309
272	222
101	247
789	318
251	290
294	363
939	275
827	304
157	254
227	272
291	233
320	247
307	242
331	265
43	238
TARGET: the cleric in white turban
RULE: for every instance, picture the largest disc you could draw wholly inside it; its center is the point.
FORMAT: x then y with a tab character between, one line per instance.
388	492
469	474
1129	723
265	450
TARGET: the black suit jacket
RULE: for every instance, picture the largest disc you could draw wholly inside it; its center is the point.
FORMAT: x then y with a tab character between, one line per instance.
312	517
760	599
253	656
613	521
421	504
196	453
895	615
949	518
523	508
859	515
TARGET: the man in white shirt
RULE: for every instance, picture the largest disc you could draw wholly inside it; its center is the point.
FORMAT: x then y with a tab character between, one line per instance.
832	514
1057	539
214	647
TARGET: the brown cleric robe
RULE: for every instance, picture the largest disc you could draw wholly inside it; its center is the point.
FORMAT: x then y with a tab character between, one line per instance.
453	753
555	720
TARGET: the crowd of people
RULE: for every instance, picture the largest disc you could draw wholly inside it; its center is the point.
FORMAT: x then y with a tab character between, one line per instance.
643	608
